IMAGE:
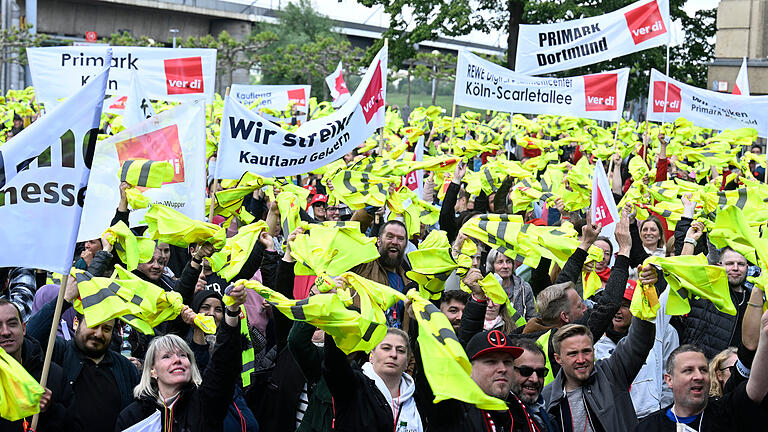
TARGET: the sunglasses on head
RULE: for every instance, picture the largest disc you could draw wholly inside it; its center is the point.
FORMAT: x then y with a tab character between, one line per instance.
527	371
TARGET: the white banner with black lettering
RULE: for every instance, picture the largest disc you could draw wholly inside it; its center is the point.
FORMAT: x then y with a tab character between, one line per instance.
274	97
177	136
42	193
705	108
248	142
169	74
545	48
485	85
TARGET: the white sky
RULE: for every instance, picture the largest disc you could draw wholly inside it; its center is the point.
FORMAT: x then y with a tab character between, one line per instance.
351	10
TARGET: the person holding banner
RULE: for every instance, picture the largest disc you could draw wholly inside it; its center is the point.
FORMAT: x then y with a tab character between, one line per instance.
100	377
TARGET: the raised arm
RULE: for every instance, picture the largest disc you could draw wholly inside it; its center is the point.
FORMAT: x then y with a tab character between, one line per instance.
572	269
757	386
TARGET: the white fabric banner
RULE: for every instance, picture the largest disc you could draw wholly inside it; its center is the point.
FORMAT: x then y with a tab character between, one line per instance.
45	178
137	106
545	48
177	136
276	97
741	86
337	86
705	108
248	142
486	85
169	74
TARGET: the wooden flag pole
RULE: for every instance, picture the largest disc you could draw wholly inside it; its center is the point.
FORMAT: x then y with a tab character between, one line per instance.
51	341
453	119
212	191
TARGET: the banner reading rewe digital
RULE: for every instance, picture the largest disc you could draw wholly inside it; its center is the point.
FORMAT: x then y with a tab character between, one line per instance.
485	85
274	97
169	74
248	142
546	48
705	108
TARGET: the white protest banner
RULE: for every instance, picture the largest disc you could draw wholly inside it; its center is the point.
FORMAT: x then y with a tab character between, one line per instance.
337	86
485	85
415	179
705	108
545	48
168	74
177	136
274	97
248	142
137	106
43	188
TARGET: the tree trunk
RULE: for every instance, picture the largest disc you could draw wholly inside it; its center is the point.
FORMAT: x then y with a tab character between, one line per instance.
515	19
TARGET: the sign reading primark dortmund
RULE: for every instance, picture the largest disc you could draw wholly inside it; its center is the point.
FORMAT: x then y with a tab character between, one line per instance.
556	47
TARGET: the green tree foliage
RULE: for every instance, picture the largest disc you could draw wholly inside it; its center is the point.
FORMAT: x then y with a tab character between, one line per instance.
429	20
14	42
306	49
435	66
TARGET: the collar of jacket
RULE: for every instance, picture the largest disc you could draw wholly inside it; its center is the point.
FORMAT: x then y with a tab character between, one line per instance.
559	384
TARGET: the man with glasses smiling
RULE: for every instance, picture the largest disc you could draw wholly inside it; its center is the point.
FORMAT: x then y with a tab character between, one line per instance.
528	375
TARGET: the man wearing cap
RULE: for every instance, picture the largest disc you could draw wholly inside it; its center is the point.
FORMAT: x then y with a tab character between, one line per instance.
649	392
317	207
492	356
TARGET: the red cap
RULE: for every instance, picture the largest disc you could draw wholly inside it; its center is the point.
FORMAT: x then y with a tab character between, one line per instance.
316	199
311	189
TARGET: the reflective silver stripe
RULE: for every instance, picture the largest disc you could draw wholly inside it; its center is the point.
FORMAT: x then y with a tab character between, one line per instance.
124	172
347	184
298	311
97	298
249	366
742	198
144	173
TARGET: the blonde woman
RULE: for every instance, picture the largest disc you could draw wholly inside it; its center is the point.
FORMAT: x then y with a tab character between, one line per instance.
720	370
171	383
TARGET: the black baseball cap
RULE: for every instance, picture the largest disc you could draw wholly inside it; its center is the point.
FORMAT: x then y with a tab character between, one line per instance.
491	341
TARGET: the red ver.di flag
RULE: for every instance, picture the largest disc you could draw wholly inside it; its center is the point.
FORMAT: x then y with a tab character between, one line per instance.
603	210
337	86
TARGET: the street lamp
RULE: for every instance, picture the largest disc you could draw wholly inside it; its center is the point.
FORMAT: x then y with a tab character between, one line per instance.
174	32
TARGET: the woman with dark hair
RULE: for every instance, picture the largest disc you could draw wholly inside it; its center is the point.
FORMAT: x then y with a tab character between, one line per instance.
652	236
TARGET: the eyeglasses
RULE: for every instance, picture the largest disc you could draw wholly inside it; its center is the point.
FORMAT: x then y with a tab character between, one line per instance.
527	371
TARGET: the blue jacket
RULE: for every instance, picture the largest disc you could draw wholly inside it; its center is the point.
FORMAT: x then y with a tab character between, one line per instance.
69	356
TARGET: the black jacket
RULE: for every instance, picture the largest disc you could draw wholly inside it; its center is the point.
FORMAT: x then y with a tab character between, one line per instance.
200	408
60	414
708	328
69	356
358	403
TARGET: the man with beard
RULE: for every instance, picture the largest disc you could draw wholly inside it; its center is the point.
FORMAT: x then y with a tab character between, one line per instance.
388	269
452	305
705	326
528	372
102	379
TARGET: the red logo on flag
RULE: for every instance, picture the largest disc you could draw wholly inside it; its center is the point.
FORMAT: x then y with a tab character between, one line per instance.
90	36
373	99
160	145
600	92
645	22
184	75
673	97
340	85
297	96
119	103
602	214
